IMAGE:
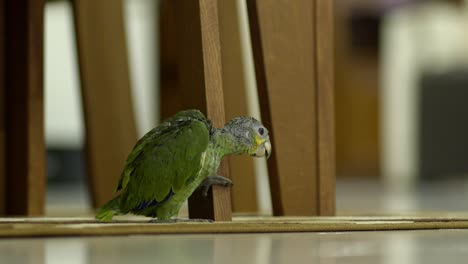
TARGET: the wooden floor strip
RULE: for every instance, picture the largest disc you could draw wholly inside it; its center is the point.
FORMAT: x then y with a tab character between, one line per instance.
52	227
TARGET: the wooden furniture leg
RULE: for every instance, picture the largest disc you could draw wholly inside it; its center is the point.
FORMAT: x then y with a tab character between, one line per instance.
170	93
105	81
2	110
198	75
22	144
324	24
205	55
293	60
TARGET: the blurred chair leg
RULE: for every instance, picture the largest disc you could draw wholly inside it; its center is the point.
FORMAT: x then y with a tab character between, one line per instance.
291	86
105	81
21	122
170	93
241	169
324	30
2	110
191	77
201	79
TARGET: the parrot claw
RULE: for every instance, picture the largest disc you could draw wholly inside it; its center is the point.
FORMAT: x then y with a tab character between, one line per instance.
214	180
205	190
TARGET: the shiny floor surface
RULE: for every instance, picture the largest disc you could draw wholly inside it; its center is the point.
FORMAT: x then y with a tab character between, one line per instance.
354	197
434	246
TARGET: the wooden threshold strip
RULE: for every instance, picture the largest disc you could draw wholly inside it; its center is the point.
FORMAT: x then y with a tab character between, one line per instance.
54	227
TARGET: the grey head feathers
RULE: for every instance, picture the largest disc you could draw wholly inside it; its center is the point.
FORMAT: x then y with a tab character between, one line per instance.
245	128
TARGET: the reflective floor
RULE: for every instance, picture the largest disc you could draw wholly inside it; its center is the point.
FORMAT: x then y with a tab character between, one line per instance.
353	197
402	247
413	247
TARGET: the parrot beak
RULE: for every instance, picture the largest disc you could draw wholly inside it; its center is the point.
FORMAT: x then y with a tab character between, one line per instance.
267	147
264	150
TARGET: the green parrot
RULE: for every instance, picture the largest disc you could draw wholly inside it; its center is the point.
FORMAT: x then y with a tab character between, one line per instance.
174	159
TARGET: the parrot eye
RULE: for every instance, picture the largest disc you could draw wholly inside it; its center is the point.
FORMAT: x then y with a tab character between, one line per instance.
261	131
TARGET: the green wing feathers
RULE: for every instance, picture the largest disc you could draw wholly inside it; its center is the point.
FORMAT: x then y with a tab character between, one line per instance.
108	210
154	134
170	160
162	161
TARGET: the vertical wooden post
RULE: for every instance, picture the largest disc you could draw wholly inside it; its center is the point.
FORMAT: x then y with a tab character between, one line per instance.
2	110
169	59
285	42
324	14
200	82
105	81
284	52
24	107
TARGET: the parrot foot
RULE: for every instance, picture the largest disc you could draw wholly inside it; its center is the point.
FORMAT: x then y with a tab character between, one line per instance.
180	220
214	180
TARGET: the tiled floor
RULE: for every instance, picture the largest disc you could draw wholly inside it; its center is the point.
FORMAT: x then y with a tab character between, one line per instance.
353	197
364	196
410	247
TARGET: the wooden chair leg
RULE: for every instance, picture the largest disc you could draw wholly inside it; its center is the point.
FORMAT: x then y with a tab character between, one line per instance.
294	78
324	24
2	110
21	122
170	93
105	81
199	80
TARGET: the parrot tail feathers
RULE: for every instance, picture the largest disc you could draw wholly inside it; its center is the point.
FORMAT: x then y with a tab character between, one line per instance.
105	215
107	211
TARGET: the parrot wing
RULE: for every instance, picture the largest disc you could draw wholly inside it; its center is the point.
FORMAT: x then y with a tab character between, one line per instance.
165	163
151	136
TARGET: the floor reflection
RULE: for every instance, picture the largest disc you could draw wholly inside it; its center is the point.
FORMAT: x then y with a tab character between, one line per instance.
436	246
22	251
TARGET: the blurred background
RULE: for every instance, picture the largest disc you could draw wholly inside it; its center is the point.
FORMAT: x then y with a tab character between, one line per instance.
401	83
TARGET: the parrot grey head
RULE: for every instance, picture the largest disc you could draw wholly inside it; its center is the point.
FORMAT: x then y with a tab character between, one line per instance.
251	134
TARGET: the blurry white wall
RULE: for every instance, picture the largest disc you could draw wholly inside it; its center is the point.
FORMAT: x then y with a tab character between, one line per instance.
263	184
143	45
63	110
427	37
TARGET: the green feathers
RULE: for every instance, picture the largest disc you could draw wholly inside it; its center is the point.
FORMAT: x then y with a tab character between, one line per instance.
105	215
161	163
106	212
169	162
166	163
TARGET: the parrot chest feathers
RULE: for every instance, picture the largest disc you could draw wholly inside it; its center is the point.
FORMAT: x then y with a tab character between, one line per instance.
221	144
210	162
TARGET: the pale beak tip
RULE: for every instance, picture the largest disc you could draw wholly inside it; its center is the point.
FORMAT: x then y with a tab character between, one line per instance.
268	149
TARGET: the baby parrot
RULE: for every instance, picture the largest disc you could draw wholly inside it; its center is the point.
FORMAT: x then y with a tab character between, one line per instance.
174	159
